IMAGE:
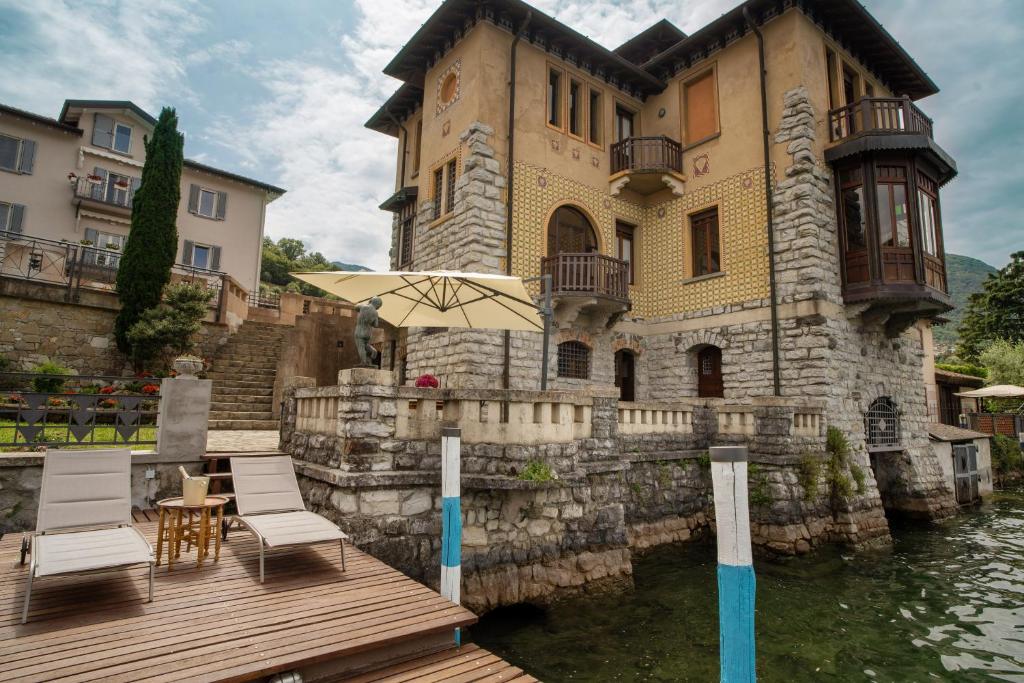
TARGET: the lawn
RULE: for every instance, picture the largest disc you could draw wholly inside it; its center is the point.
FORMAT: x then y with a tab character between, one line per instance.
59	433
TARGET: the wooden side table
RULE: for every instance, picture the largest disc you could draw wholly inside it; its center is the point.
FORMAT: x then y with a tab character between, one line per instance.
195	528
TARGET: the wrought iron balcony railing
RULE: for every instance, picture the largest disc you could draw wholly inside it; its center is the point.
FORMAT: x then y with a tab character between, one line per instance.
653	154
587	274
104	191
878	115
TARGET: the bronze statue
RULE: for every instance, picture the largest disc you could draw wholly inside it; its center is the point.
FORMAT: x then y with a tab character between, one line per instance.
365	322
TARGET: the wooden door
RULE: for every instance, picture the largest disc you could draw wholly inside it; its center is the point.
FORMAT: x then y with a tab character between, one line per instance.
709	373
625	373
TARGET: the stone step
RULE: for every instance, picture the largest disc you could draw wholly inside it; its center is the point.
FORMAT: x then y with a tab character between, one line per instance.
265	362
241	415
244	384
239	407
250	374
244	424
220	391
247	399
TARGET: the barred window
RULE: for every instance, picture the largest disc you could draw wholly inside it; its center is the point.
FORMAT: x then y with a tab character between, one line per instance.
573	360
438	191
882	425
405	235
449	203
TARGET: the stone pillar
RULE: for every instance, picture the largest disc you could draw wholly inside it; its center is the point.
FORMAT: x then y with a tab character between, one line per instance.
183	418
288	411
366	419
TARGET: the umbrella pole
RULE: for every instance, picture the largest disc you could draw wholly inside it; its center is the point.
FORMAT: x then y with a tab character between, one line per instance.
547	313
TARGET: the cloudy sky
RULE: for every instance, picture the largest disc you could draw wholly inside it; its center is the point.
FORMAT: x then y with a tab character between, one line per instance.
279	91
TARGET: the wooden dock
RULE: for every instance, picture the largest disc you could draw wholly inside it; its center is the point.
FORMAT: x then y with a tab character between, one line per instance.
219	623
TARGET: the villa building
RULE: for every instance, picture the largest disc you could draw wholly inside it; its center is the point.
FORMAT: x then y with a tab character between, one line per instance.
752	210
71	180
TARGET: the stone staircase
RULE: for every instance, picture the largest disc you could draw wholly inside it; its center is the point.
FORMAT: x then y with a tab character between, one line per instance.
243	373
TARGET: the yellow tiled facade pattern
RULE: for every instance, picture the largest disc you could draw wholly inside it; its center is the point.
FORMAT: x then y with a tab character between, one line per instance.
662	237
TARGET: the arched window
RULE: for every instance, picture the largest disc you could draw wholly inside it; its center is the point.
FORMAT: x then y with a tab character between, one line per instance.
569	232
573	360
882	425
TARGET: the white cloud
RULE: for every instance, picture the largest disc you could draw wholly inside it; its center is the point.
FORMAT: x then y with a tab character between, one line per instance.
95	51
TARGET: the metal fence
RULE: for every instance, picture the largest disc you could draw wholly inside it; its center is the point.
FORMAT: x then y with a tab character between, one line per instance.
74	411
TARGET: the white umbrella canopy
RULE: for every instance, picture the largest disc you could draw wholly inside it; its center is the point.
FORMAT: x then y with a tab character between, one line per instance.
437	299
997	391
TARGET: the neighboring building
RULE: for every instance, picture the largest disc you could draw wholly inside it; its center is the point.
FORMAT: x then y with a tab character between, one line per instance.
695	248
72	179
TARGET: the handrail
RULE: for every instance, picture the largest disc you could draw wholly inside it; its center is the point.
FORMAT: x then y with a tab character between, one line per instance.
652	153
878	115
589	273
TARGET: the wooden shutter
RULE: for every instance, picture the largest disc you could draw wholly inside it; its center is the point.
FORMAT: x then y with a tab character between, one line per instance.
28	156
215	259
103	131
222	206
193	199
186	254
699	108
17	218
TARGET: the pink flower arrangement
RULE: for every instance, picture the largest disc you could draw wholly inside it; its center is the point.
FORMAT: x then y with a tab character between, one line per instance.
427	381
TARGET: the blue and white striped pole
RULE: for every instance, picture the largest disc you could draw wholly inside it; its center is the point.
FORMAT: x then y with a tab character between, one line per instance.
451	517
735	565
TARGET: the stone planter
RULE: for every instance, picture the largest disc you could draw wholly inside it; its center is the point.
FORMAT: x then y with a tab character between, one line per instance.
188	368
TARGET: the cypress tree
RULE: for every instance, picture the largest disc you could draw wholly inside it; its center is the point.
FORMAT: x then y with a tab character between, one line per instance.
153	241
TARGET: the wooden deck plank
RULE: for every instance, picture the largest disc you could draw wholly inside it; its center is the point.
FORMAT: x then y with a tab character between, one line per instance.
212	624
467	664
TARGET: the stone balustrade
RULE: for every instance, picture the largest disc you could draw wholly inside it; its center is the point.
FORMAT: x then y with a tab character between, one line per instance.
656	418
316	410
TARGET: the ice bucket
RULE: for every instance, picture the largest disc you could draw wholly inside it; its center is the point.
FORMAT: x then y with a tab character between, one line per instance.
193	490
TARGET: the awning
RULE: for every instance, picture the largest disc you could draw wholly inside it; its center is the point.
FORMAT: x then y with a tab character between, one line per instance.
997	391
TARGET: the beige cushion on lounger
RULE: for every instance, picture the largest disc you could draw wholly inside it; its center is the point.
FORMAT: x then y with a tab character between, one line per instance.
88	550
265	484
291	528
85	488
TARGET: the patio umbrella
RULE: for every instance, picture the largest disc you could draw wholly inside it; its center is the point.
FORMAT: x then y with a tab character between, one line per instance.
997	391
437	299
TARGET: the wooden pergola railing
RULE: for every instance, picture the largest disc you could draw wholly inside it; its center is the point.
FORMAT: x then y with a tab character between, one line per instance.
592	273
884	115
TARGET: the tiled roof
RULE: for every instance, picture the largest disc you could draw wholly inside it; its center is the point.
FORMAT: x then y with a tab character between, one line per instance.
944	432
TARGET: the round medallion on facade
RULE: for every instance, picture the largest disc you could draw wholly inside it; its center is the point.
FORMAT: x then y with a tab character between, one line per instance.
449	87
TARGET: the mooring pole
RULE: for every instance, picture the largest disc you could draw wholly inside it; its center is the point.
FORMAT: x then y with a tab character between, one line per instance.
735	565
451	517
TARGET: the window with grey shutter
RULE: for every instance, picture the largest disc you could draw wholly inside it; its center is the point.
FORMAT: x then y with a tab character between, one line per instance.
215	259
9	152
186	252
222	206
103	131
28	156
193	199
99	188
5	216
17	218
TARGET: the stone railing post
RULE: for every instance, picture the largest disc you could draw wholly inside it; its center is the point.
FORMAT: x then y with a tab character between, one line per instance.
289	407
183	418
366	418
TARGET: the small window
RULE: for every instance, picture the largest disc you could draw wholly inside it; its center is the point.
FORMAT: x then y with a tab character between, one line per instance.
594	133
573	360
5	216
207	203
831	63
555	98
700	108
406	234
450	171
704	232
122	138
105	249
893	216
851	85
418	148
624	128
9	152
575	108
625	251
928	210
882	422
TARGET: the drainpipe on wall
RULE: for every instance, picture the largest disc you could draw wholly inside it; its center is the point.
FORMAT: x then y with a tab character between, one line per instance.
776	380
506	379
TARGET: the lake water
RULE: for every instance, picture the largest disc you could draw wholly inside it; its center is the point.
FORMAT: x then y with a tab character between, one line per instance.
944	603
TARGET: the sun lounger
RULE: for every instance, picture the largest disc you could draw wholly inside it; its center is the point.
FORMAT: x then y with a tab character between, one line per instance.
85	518
271	507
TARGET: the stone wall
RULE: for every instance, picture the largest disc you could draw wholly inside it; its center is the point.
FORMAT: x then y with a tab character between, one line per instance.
38	326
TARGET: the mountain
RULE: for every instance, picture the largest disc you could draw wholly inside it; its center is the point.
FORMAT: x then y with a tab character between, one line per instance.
341	265
966	276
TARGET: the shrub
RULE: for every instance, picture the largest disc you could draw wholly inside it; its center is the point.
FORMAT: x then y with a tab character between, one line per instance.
1006	455
537	470
757	487
167	331
858	478
808	474
836	444
964	369
54	383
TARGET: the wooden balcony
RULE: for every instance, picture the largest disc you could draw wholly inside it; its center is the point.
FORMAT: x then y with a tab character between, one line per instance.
590	285
647	164
878	116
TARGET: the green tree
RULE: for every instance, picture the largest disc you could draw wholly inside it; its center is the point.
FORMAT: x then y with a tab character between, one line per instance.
288	256
153	241
997	312
292	248
1005	362
168	330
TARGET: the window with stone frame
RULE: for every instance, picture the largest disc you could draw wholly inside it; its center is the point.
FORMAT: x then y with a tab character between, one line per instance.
573	360
450	173
438	191
406	234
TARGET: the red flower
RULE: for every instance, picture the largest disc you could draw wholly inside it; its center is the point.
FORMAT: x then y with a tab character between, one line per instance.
151	389
107	390
15	398
427	381
108	403
56	402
